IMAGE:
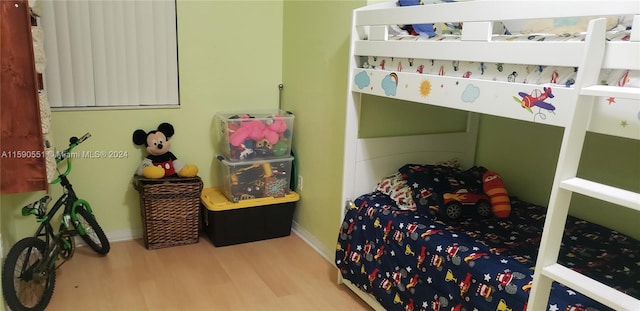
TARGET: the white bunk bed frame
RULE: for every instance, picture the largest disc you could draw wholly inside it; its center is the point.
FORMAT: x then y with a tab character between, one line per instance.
367	160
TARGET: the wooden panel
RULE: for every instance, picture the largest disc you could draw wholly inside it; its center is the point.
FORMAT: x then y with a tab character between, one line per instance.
275	274
22	163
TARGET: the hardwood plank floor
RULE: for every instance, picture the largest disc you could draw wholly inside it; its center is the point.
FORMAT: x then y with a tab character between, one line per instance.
276	274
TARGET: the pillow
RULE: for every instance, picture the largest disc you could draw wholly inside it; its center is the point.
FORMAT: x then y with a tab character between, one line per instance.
419	29
395	186
498	196
423	29
555	25
453	163
433	186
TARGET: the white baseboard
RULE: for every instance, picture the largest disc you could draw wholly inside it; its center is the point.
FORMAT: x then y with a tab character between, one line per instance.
116	236
124	235
132	234
313	242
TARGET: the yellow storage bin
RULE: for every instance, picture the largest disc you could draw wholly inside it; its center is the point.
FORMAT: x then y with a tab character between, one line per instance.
228	223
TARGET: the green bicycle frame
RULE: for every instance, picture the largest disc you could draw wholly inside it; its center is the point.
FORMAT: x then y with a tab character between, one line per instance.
67	197
74	215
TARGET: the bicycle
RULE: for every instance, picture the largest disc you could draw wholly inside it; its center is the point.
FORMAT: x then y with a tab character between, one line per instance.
29	271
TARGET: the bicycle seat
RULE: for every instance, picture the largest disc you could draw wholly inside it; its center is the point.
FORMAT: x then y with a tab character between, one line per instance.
37	208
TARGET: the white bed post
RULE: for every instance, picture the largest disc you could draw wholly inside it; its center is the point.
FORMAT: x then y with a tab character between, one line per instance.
635	29
351	131
565	183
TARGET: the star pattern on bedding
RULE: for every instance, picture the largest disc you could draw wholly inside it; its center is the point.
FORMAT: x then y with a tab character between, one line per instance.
428	260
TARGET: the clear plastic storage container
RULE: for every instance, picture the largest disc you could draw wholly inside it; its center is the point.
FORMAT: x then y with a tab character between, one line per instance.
255	179
255	136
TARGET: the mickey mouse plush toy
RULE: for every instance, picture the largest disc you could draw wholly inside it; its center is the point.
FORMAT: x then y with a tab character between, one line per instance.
161	162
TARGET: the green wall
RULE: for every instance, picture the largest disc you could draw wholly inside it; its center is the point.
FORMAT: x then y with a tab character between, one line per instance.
315	60
223	65
525	154
415	118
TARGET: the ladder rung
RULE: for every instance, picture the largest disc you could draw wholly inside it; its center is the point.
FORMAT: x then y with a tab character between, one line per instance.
611	91
603	192
591	288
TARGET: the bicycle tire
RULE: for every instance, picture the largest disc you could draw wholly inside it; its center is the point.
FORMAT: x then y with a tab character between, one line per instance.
93	234
32	294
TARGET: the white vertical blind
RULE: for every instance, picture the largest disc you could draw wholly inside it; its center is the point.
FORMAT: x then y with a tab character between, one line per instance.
110	53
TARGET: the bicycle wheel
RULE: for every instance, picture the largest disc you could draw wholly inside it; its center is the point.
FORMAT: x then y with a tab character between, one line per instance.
25	284
93	234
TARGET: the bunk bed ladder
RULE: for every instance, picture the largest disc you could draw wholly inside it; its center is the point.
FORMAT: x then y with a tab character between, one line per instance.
565	183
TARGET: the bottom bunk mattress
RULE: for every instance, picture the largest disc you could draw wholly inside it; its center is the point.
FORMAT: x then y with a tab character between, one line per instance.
410	260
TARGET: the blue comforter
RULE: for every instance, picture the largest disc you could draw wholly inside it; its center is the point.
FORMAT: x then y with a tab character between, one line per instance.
411	261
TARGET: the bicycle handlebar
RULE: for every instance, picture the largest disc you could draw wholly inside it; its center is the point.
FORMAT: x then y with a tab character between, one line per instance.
77	141
66	154
73	142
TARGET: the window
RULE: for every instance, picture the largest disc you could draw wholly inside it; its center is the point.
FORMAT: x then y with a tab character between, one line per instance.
110	53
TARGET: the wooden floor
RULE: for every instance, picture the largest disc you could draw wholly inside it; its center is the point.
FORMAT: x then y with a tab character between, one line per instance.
277	274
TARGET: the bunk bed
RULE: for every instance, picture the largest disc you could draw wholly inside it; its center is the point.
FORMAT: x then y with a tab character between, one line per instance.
396	250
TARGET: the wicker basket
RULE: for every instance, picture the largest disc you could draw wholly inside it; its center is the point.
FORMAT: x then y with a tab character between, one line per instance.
170	209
